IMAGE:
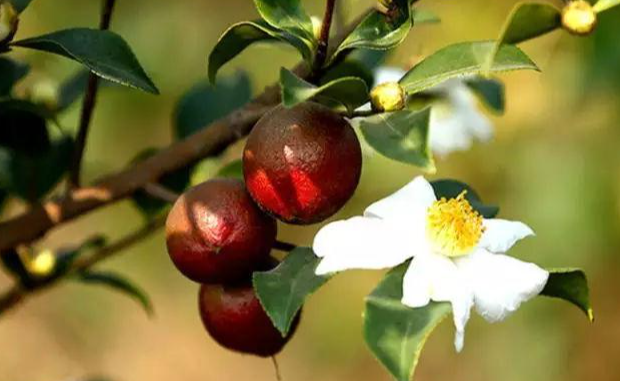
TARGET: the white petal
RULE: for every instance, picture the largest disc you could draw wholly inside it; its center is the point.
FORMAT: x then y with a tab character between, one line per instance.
388	74
361	243
435	277
500	283
500	235
408	204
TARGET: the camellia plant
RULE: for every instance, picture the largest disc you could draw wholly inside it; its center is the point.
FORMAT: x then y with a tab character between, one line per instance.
446	250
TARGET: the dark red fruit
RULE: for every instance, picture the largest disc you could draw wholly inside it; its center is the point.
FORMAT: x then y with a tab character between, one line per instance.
216	234
234	317
302	164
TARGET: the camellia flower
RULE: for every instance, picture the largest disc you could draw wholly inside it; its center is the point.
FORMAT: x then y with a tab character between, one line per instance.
456	120
457	254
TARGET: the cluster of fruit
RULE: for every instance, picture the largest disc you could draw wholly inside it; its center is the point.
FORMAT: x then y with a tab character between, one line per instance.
301	165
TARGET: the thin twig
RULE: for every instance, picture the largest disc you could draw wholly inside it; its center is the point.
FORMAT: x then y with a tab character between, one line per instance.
276	368
321	53
161	192
12	297
90	100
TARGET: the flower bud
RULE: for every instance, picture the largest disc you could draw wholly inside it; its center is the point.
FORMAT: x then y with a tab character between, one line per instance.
42	264
389	96
578	17
8	21
45	93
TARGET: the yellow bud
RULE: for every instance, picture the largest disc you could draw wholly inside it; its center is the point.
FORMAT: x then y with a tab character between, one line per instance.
389	96
578	17
8	21
317	24
45	93
42	264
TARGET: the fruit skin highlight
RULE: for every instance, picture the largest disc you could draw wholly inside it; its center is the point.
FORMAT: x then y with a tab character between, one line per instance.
216	234
302	164
234	317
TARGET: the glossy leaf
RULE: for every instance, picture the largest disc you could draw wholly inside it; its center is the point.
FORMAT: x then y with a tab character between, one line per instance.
20	5
526	21
32	177
453	188
401	136
23	128
234	170
283	290
394	332
11	72
603	5
289	16
204	103
348	68
490	91
380	30
239	36
466	58
119	283
352	92
103	52
570	285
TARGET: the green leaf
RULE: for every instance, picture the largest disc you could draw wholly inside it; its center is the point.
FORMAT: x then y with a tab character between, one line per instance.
11	73
20	5
283	290
379	31
490	91
352	92
394	332
603	5
239	36
289	16
401	136
234	170
75	87
175	181
204	104
32	177
466	58
424	16
453	188
348	68
570	285
23	128
526	21
103	52
119	283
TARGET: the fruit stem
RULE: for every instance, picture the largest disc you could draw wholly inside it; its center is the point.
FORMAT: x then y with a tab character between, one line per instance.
321	53
284	246
90	99
276	367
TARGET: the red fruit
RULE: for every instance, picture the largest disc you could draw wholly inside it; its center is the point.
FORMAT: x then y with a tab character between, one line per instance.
216	234
302	164
234	317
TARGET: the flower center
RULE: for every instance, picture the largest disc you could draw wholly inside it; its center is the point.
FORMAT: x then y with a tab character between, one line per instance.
453	226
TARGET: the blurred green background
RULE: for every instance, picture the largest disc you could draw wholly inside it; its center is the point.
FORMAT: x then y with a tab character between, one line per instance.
554	164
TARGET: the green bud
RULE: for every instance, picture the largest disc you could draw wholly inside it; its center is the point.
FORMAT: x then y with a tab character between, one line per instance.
389	96
579	18
8	21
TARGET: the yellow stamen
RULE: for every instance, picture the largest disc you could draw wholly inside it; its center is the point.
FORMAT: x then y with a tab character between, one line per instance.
453	226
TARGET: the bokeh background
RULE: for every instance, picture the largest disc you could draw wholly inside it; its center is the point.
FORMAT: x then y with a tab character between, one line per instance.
554	163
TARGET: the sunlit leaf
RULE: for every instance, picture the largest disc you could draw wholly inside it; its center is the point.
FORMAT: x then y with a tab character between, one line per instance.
105	53
349	91
119	283
401	136
394	332
11	72
205	103
466	58
603	5
283	290
453	188
570	285
239	36
424	16
288	16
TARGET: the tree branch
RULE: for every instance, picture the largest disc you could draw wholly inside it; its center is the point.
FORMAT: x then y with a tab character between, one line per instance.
321	53
160	192
209	141
90	100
